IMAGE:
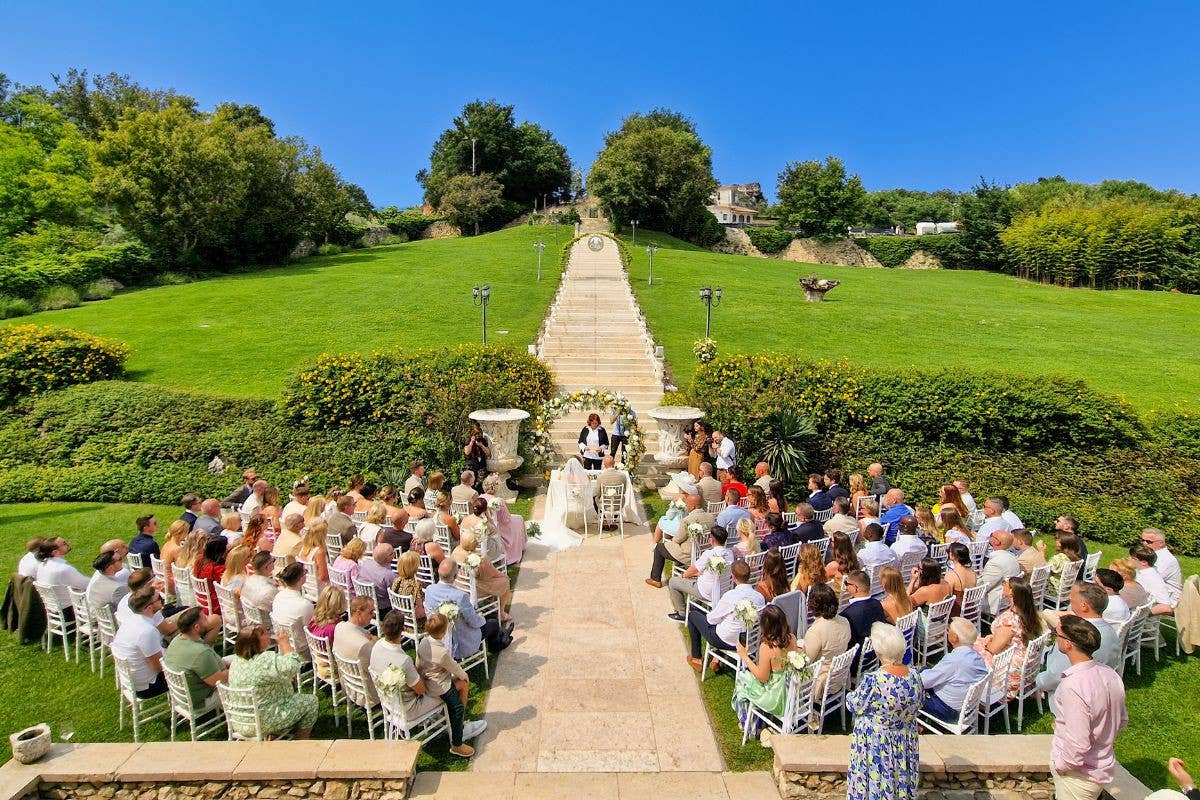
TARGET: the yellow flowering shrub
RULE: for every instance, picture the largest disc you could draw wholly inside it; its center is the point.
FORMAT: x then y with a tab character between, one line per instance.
36	358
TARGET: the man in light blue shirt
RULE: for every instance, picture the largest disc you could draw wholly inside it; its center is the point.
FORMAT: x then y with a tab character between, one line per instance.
471	627
729	516
946	683
895	510
1088	601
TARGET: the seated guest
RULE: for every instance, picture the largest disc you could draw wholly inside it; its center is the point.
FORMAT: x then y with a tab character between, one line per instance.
1133	593
858	492
243	493
863	610
330	608
1087	602
312	550
388	651
1165	561
756	504
841	521
964	494
1116	611
993	519
350	558
731	479
301	494
699	580
1066	551
416	504
231	528
960	574
368	531
237	569
948	495
842	560
896	602
764	681
27	567
510	526
732	512
210	568
423	543
290	608
104	589
710	487
907	542
144	579
201	666
927	527
57	573
817	498
721	627
1019	624
833	488
416	480
874	552
397	534
470	629
139	642
209	519
287	544
1161	595
254	501
1014	521
747	540
807	529
443	516
445	679
672	540
1028	556
377	571
406	582
260	588
465	491
774	581
778	534
895	509
353	642
952	526
762	476
868	513
946	683
281	706
776	500
829	634
927	586
489	581
436	481
390	499
143	543
191	509
341	522
1001	565
810	569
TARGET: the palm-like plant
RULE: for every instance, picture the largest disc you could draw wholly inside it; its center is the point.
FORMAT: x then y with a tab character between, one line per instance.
786	444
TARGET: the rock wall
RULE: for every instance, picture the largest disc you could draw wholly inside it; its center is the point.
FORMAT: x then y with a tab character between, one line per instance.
441	230
842	252
228	790
737	243
959	786
922	259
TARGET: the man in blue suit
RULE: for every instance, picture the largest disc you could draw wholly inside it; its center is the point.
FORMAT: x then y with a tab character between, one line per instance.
471	627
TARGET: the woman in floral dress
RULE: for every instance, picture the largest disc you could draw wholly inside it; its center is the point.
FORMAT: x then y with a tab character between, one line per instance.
884	762
1018	624
272	676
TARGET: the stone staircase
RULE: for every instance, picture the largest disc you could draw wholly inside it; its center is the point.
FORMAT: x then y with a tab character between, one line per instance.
595	336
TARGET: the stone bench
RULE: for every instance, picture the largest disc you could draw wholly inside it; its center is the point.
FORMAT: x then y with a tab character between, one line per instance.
1010	766
334	769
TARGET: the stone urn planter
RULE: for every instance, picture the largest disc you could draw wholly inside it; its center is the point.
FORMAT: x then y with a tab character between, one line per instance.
502	426
30	744
815	288
673	422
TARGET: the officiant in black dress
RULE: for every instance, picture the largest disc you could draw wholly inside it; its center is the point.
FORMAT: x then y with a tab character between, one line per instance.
593	442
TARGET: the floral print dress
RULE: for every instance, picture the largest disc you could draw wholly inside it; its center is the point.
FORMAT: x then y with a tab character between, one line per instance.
884	761
1007	619
271	676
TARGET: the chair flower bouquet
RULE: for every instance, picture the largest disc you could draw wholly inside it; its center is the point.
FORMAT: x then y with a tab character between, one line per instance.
716	563
799	662
746	613
474	560
694	531
678	506
391	681
449	611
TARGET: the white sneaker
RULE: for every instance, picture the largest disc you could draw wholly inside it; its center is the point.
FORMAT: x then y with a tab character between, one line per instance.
473	729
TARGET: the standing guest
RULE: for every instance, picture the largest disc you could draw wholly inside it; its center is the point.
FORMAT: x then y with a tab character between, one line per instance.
747	540
139	642
1066	551
952	527
260	588
993	519
947	683
833	481
776	500
191	508
907	542
210	568
863	610
56	572
700	580
874	552
1010	517
349	560
817	497
445	679
777	535
964	493
104	589
764	681
287	545
843	559
807	529
732	512
510	526
27	567
254	500
1116	611
774	581
298	502
202	668
470	629
241	494
1089	712
143	543
896	602
762	476
1001	565
1028	556
1018	625
810	568
465	491
620	437
1133	593
281	707
671	539
489	581
406	582
1163	597
829	634
720	627
479	447
209	519
895	509
353	642
417	477
841	521
960	575
879	484
858	492
1087	603
1165	561
710	487
697	442
341	521
884	759
377	571
723	451
593	442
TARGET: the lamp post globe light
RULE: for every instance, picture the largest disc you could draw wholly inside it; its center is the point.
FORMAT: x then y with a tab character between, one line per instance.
481	296
710	298
651	249
634	224
541	248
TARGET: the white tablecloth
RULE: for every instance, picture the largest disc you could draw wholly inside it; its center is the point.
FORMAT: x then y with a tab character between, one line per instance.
558	505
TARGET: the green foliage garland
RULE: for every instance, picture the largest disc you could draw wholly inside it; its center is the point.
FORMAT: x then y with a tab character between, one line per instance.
540	445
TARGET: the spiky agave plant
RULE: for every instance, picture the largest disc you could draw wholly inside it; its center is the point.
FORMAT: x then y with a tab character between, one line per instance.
786	445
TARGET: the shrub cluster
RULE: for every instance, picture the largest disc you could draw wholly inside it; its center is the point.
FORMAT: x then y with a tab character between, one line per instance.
893	251
407	223
35	358
770	240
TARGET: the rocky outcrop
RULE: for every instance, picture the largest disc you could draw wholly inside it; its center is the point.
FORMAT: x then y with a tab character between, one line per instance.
737	243
441	230
922	259
842	252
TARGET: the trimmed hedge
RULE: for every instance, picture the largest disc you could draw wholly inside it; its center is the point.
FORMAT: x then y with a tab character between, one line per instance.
36	358
770	240
893	251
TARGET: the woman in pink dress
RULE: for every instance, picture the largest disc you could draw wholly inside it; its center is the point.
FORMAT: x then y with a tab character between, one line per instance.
510	526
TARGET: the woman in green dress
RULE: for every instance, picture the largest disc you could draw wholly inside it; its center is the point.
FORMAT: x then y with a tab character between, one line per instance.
272	676
764	682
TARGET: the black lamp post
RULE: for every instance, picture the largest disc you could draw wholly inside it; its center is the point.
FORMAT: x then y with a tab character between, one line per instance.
481	296
710	298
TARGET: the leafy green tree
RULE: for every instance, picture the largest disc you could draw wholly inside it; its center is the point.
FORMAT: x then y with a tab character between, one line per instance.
656	170
469	199
986	211
819	199
244	116
906	207
359	201
323	198
97	105
45	170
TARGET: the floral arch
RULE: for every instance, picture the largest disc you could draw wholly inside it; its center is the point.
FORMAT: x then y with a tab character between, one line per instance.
540	444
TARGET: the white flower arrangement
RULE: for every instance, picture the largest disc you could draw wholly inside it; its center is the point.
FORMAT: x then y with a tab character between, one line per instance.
716	563
705	350
449	611
391	681
695	530
678	505
474	560
800	663
747	613
495	503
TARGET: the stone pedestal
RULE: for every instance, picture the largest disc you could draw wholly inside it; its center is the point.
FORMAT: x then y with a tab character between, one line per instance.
673	422
502	427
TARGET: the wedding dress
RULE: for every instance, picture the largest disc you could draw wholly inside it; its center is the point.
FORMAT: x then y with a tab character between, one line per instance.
569	497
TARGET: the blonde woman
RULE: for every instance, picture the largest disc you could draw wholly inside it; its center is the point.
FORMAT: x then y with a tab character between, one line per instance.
747	543
897	603
171	546
192	549
351	554
810	568
488	579
312	549
444	517
858	488
390	498
314	510
927	527
406	582
237	569
331	605
436	481
369	530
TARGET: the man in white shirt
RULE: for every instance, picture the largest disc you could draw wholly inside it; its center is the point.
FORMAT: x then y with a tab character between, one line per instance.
105	589
907	542
28	566
299	502
1116	610
993	511
290	606
841	521
721	627
1010	518
140	643
699	580
762	476
723	450
1165	561
260	588
255	500
1001	565
352	641
963	492
416	479
874	552
56	572
1152	581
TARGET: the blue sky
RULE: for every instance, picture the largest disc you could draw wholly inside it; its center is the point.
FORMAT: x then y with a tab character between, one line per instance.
922	96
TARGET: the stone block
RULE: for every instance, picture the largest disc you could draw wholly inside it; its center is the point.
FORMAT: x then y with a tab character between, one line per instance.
183	761
284	760
351	758
567	786
805	753
79	763
1014	753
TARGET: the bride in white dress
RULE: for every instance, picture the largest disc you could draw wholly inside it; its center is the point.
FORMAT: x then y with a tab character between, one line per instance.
568	498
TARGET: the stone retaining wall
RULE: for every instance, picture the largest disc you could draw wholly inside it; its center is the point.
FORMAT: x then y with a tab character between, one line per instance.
226	790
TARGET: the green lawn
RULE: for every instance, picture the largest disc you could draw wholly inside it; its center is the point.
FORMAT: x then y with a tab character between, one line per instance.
243	335
76	694
1141	345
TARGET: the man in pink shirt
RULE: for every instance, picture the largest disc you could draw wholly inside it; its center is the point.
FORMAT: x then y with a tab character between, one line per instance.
1089	712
